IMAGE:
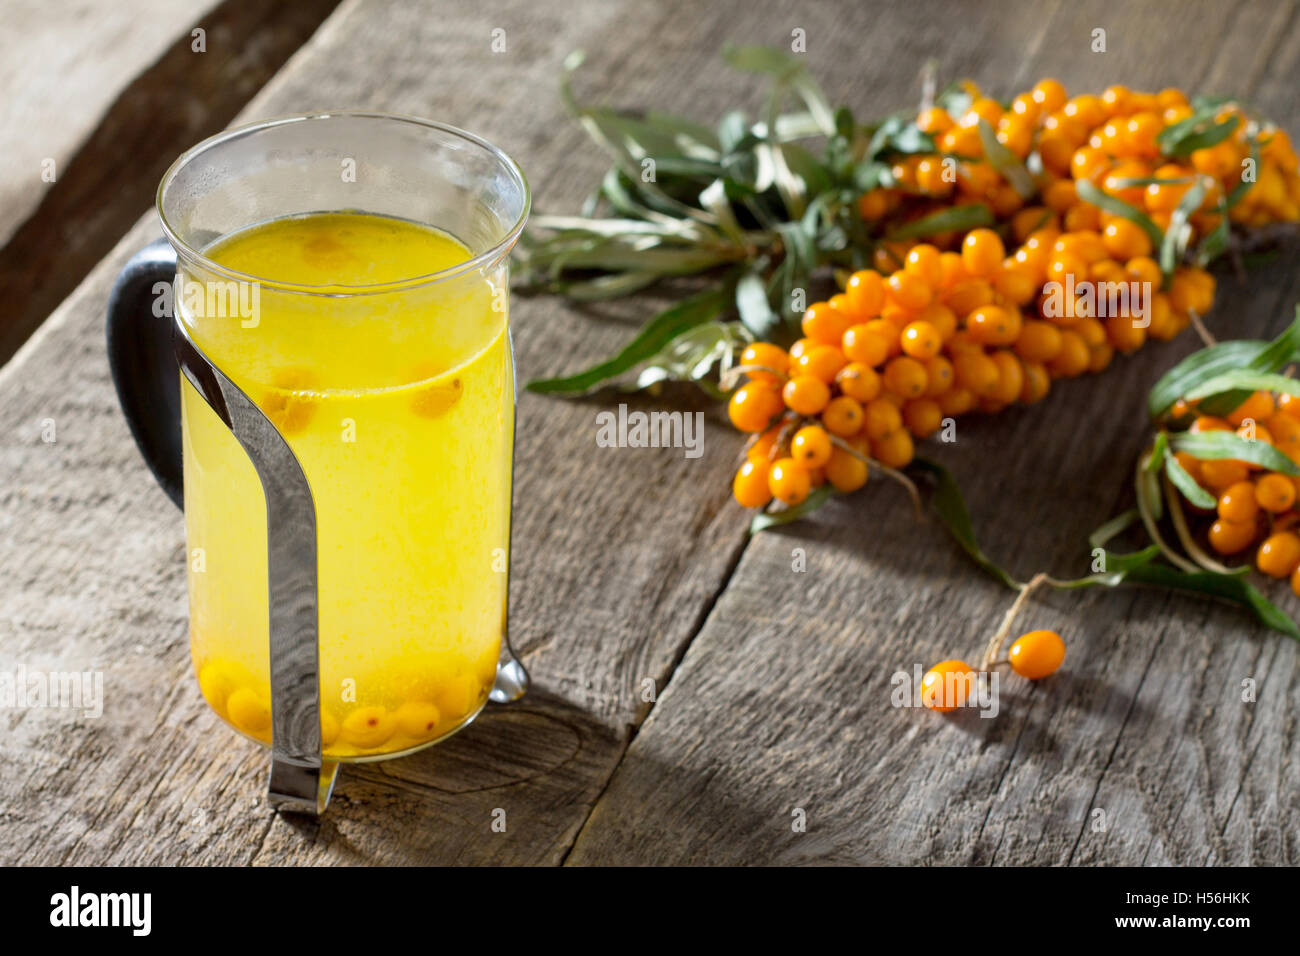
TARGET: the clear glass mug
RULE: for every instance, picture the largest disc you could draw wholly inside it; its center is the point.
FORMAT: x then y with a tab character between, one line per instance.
340	435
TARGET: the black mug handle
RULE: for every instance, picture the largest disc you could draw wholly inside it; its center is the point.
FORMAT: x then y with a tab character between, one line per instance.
143	362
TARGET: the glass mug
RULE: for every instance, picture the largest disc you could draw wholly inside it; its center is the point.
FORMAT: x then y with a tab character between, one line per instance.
316	364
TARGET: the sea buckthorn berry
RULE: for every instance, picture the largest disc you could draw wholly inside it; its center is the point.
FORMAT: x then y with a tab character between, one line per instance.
881	417
922	416
1229	537
941	317
947	686
1145	269
956	401
858	380
1209	423
1011	377
750	485
994	325
216	682
1218	474
1081	217
806	394
1284	428
873	204
1126	240
1275	493
909	291
769	356
811	446
799	347
1049	94
824	323
1016	284
982	253
248	711
866	343
760	452
968	295
1237	502
934	120
368	727
1037	383
845	471
1279	555
895	450
842	416
921	340
1039	341
938	376
753	406
976	372
788	481
1125	334
416	718
1073	359
1258	407
865	291
923	262
1100	356
905	376
1037	654
821	361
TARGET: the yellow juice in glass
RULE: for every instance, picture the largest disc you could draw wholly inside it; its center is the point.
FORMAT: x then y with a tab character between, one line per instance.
397	397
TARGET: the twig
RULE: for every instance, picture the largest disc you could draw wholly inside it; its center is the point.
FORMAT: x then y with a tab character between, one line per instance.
995	642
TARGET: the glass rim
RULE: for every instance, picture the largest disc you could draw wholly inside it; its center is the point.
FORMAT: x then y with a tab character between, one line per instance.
489	256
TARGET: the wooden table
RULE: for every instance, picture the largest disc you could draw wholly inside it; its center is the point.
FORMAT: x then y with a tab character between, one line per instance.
771	686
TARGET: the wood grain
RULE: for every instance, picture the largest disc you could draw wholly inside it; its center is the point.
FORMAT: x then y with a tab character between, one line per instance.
111	140
783	701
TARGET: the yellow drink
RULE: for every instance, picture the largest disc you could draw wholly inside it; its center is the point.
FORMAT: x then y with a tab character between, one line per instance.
398	400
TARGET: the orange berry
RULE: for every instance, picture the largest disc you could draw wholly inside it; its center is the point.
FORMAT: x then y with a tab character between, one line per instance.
1037	654
753	406
858	380
1049	94
994	325
1073	359
923	262
845	471
799	347
905	376
788	481
750	485
768	355
842	416
976	372
922	416
1038	382
806	394
1237	502
1279	555
1218	474
895	450
866	294
1258	407
811	446
1275	493
1227	537
867	344
909	291
821	361
968	295
881	417
760	452
921	340
824	323
938	376
1039	341
1125	239
1011	377
956	401
947	686
982	253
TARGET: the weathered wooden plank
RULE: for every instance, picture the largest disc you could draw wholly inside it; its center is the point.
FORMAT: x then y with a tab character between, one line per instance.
109	94
618	551
782	702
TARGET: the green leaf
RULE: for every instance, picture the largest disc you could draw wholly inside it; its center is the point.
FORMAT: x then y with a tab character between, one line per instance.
1201	366
1174	244
1244	380
1178	141
754	306
770	519
1185	483
653	337
1006	162
693	355
1223	444
1116	525
1090	193
951	219
1228	587
950	508
1270	358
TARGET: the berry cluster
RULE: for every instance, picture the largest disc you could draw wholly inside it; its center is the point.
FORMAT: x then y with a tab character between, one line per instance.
1069	276
1253	502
